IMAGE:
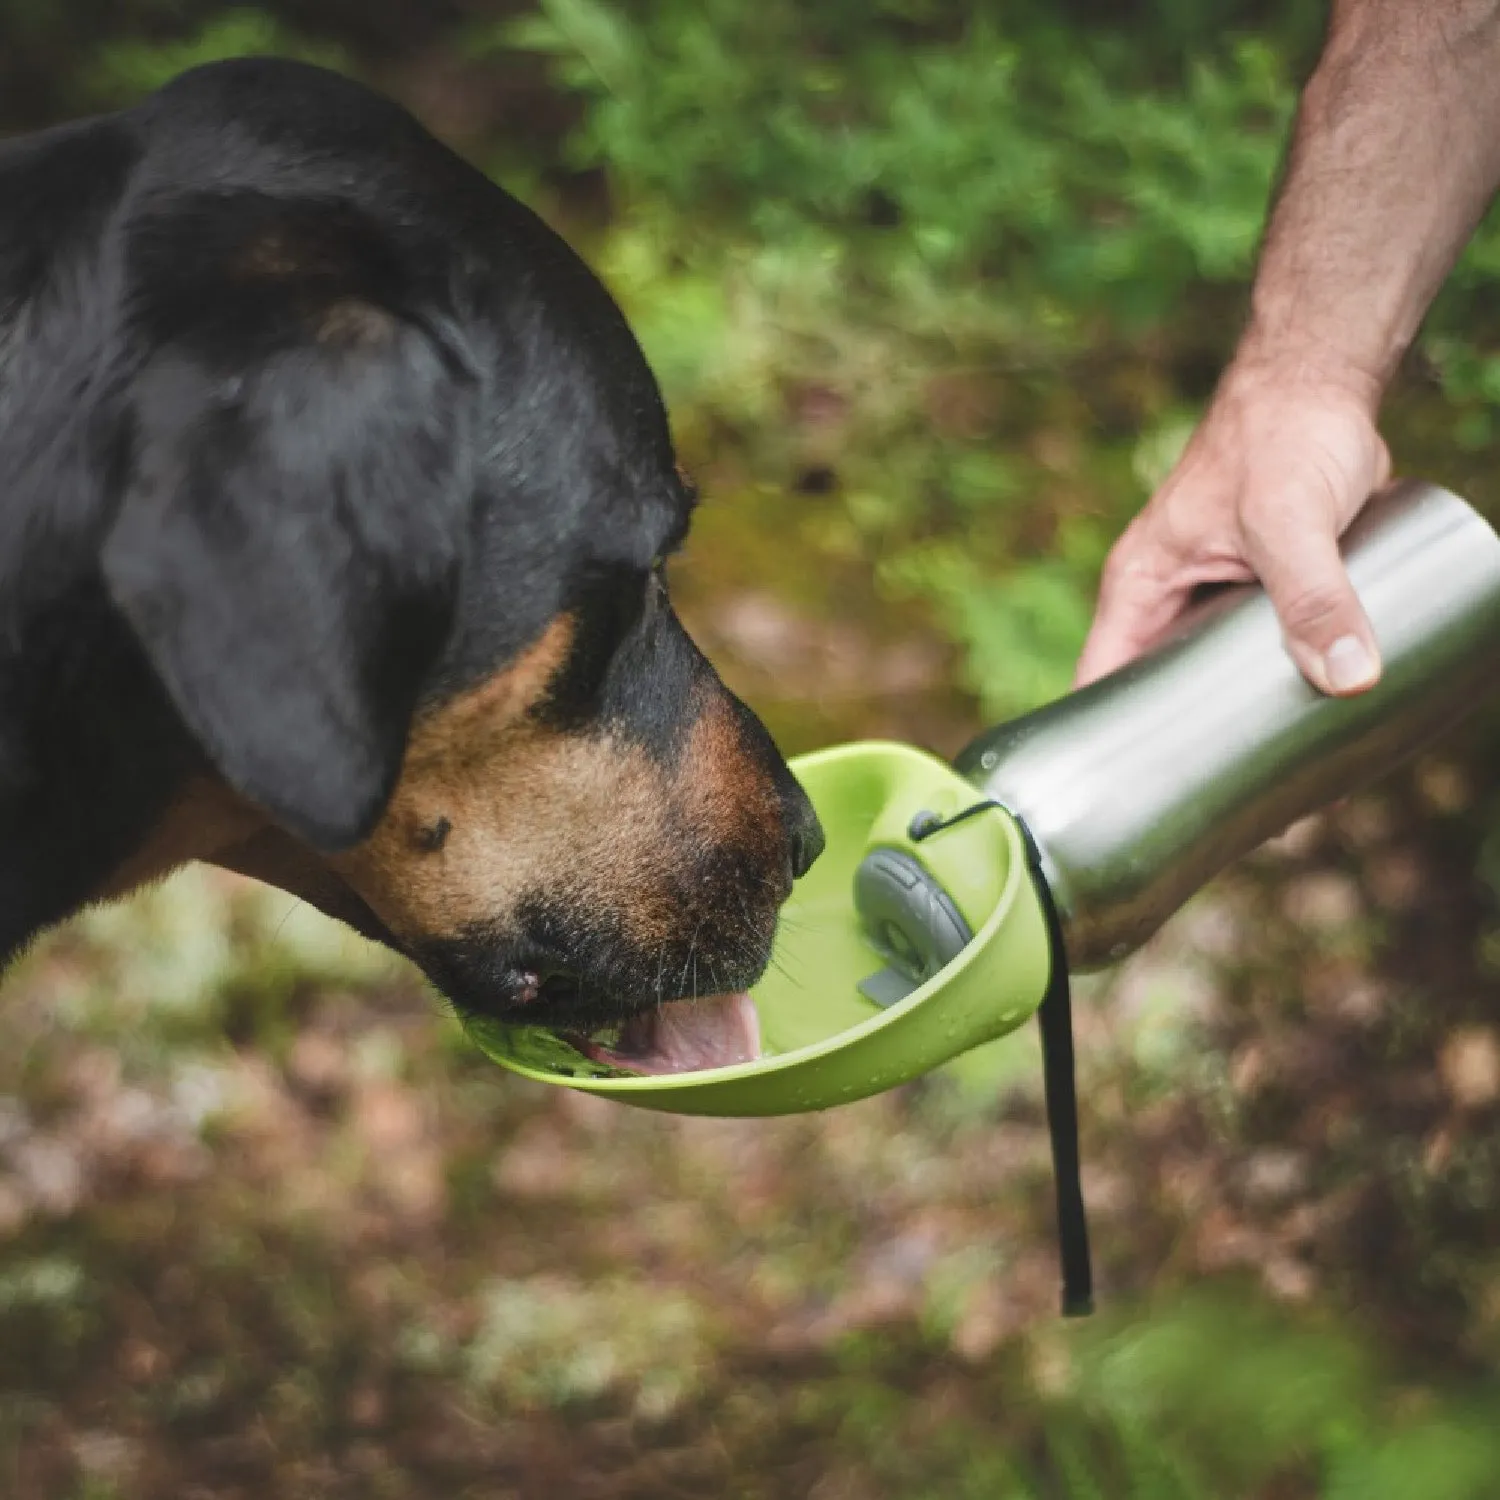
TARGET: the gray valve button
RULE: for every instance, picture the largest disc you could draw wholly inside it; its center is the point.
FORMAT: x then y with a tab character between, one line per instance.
909	919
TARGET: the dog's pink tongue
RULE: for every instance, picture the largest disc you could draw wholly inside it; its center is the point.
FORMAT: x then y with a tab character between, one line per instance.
684	1036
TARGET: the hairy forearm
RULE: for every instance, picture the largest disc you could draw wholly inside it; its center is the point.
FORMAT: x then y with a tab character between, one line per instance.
1395	156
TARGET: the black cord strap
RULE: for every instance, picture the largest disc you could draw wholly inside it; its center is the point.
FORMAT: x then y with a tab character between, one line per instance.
925	823
1059	1076
1055	1022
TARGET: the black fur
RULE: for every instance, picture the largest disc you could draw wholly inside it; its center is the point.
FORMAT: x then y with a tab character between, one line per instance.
303	424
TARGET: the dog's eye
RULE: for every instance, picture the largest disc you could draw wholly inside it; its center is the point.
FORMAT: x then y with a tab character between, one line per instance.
432	836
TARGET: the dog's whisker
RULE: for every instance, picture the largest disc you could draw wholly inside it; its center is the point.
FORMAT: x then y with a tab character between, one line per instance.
287	917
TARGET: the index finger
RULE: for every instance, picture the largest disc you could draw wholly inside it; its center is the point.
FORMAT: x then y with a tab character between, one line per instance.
1136	605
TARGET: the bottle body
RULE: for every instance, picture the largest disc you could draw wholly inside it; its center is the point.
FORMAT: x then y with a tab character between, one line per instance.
1142	786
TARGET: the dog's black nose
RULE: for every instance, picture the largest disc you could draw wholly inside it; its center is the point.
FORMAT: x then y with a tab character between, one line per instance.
808	840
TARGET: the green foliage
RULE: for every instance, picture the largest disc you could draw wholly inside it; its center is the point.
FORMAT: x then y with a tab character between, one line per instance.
904	208
1224	1396
1020	630
549	1341
873	201
47	1315
921	154
1215	1396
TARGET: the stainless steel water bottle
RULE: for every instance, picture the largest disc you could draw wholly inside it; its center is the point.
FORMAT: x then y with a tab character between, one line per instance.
1139	788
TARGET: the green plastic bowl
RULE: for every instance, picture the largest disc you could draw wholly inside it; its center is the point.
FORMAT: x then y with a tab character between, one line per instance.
824	1042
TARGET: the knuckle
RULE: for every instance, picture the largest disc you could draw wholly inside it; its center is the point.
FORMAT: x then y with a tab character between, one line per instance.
1119	568
1313	610
1127	592
1144	555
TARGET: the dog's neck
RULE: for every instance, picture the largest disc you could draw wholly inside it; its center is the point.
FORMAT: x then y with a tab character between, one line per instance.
91	762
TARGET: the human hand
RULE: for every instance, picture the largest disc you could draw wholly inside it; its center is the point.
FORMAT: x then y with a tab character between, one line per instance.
1280	465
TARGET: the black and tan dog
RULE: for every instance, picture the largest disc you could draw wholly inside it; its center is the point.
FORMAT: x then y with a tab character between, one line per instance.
334	497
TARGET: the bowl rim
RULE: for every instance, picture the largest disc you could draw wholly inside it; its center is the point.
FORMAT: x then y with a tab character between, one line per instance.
808	1058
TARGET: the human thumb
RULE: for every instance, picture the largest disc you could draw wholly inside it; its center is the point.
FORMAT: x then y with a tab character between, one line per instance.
1322	620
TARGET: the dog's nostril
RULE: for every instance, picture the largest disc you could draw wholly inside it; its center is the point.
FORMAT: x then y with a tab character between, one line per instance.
807	844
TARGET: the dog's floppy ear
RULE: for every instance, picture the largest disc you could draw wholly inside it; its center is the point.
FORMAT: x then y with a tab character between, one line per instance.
286	549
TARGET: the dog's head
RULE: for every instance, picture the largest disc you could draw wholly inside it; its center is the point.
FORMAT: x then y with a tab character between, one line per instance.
397	496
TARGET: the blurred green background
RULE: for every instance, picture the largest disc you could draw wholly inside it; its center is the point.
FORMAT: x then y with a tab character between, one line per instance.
935	292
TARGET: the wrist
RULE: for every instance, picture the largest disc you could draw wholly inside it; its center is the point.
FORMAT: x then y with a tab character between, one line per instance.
1264	364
